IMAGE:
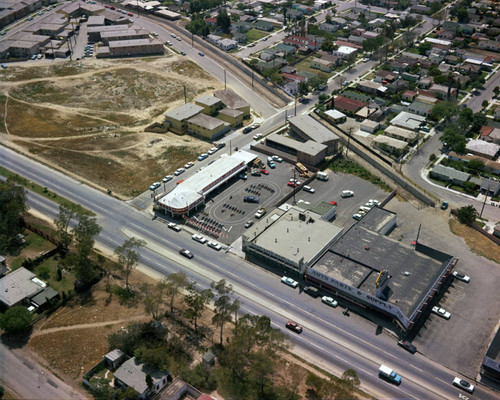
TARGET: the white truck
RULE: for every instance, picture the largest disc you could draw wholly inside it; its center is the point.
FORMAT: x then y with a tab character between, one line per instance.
388	374
322	176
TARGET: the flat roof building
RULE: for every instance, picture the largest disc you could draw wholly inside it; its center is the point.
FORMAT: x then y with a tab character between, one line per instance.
309	153
482	148
191	193
177	118
232	100
210	104
289	238
208	127
408	120
307	128
135	47
401	134
232	117
390	144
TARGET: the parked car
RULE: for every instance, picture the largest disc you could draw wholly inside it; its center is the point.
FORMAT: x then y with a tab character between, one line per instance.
173	35
174	226
248	129
214	245
294	326
155	186
251	199
186	253
271	164
256	173
405	344
199	238
289	281
33	57
277	159
308	189
189	164
201	157
462	277
39	56
311	291
183	52
260	213
243	176
357	216
346	193
255	125
444	205
460	383
257	136
333	203
168	42
201	53
264	171
329	301
179	171
441	312
167	178
248	224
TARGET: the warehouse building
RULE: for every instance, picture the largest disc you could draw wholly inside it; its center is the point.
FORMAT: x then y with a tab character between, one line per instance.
190	194
307	128
309	153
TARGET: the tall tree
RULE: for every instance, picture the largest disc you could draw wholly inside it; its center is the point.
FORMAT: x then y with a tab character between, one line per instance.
66	214
84	233
223	20
224	307
154	296
196	301
175	282
16	320
128	256
12	206
467	215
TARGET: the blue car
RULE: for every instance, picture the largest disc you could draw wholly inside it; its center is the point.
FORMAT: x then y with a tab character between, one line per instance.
202	156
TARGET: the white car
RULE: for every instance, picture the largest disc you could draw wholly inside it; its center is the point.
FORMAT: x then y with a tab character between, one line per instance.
257	136
460	383
289	281
346	193
174	226
200	239
330	301
179	171
277	159
212	150
308	189
155	186
214	245
441	312
462	277
374	202
358	216
167	178
189	165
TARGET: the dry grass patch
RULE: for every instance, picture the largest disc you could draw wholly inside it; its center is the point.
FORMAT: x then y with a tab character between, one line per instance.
97	143
477	242
41	122
189	69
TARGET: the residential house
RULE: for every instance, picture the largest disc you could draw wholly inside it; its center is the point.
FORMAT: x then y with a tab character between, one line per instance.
294	14
306	74
390	145
491	45
489	187
322	65
294	78
133	374
268	55
420	9
264	26
232	100
335	116
348	106
177	119
335	60
232	117
307	128
241	38
211	105
341	22
369	126
448	174
483	149
399	66
497	113
241	26
371	87
383	75
442	91
22	287
408	120
214	39
179	389
228	44
345	52
409	95
207	127
330	28
426	82
405	135
292	88
3	266
420	108
285	49
289	69
490	165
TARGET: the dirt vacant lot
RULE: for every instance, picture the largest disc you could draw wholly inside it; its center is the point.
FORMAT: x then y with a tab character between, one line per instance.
88	118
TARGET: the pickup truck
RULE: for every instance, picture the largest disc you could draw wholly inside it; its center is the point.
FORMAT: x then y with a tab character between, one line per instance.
388	374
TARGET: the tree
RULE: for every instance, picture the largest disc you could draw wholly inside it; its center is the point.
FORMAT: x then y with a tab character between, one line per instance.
327	46
84	234
496	90
149	381
128	256
12	206
224	307
485	103
197	302
476	164
435	6
467	215
463	15
66	214
443	109
16	320
175	282
424	48
223	20
303	88
154	297
351	378
317	81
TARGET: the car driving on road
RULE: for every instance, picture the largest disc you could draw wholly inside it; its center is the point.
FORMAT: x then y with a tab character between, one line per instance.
329	301
289	281
294	326
460	383
199	238
186	253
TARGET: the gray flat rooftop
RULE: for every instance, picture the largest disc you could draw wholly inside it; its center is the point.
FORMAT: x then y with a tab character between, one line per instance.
185	111
133	43
310	147
17	286
296	239
230	112
360	254
206	121
207	100
376	219
312	128
231	99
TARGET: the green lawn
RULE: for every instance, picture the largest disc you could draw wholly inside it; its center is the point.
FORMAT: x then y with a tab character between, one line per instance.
305	65
255	34
34	246
50	267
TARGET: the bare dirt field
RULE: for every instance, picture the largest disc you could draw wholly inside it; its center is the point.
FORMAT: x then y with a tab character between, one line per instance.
89	118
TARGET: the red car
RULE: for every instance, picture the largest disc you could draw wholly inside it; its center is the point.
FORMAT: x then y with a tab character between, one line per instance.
186	253
130	14
333	203
264	171
112	8
294	326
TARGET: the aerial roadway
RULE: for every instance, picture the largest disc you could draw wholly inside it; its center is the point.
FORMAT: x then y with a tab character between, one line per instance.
330	340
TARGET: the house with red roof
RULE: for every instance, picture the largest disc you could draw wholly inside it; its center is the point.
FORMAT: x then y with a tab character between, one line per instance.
348	106
294	77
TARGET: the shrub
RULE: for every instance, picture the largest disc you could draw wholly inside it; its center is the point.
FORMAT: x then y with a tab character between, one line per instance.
16	320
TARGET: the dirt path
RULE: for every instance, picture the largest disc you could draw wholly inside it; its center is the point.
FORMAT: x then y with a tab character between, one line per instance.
86	326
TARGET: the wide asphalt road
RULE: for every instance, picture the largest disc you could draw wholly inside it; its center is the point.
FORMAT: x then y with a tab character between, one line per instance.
329	339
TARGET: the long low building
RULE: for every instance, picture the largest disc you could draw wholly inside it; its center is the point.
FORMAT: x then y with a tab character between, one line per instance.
307	128
310	152
191	193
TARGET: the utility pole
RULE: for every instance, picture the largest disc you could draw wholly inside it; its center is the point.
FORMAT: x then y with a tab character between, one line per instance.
230	148
484	202
192	39
295	110
293	186
252	80
225	80
348	141
185	95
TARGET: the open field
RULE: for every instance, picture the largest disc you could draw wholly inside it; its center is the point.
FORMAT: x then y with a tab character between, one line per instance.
89	118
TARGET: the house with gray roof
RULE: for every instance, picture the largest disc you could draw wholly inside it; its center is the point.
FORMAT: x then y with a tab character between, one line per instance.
449	174
307	128
482	148
489	187
133	374
176	120
408	120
